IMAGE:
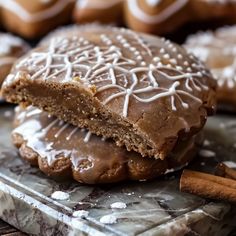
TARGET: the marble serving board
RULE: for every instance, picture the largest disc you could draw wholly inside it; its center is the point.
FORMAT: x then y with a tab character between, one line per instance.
152	208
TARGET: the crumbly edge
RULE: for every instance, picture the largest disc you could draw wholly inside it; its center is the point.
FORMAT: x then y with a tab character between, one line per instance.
92	115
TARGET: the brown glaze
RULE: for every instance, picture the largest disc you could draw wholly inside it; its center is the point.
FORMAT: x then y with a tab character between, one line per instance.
62	150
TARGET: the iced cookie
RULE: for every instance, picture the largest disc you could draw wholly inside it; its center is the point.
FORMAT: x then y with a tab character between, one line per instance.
218	50
156	16
166	16
11	48
62	150
35	18
99	11
144	92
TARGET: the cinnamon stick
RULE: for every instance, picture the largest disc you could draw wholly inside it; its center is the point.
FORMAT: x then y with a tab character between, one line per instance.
225	171
208	186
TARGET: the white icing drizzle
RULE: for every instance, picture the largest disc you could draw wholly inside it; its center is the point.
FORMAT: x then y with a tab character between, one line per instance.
15	7
97	4
207	45
137	12
153	3
87	137
107	69
35	136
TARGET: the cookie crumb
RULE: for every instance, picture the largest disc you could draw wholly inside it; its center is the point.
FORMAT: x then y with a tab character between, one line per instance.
118	205
206	143
59	195
108	219
230	164
93	88
80	214
206	153
76	78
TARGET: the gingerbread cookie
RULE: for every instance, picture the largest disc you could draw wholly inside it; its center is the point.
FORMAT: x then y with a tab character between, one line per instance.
62	151
218	50
32	19
99	11
144	92
11	48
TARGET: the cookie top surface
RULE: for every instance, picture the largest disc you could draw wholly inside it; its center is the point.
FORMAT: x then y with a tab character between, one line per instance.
218	50
129	73
90	155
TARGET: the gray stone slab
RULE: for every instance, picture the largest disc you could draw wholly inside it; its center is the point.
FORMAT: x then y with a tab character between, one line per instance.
153	208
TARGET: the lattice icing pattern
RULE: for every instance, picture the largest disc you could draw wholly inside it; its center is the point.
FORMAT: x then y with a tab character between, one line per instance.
121	64
209	45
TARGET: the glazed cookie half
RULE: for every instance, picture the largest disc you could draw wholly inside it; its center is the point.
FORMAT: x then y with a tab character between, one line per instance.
11	48
63	151
145	92
218	50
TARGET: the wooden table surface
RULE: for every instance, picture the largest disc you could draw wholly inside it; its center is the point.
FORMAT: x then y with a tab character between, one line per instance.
8	230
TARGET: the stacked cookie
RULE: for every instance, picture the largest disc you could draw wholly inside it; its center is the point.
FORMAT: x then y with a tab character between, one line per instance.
112	105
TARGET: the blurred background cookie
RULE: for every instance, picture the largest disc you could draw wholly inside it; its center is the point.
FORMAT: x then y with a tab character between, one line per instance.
166	16
156	16
11	48
218	50
104	11
32	19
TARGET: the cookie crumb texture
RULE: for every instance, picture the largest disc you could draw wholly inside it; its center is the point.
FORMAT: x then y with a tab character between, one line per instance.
144	92
63	151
